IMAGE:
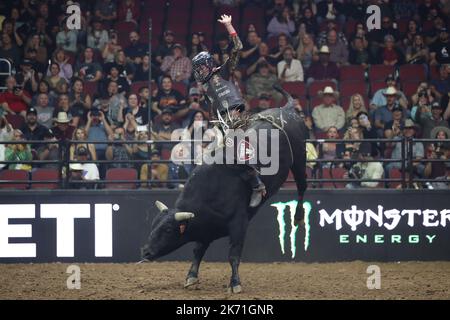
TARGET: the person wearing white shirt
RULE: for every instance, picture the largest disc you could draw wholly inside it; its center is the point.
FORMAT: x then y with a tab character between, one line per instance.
289	69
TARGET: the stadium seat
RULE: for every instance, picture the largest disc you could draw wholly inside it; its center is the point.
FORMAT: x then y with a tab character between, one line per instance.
15	120
14	175
394	174
44	175
180	87
90	88
314	102
412	72
375	86
409	88
348	88
166	154
379	72
334	173
352	73
253	15
434	72
135	86
295	88
115	174
320	85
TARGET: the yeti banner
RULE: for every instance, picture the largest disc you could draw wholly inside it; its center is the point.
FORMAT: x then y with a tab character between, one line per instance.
108	226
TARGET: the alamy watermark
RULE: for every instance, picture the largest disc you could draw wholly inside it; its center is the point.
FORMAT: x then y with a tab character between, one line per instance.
374	280
74	280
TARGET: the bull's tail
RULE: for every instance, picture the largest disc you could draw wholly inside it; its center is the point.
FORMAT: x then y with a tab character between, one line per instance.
290	100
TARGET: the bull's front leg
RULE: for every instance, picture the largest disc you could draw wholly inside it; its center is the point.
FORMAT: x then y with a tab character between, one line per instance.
199	252
238	230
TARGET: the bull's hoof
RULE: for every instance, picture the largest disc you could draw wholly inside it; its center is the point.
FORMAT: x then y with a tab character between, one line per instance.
299	223
190	282
235	289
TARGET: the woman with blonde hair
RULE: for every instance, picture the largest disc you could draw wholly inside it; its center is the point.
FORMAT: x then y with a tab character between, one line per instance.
18	152
307	51
353	134
356	106
80	135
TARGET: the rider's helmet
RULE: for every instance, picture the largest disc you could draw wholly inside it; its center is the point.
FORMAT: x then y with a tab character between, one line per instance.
203	65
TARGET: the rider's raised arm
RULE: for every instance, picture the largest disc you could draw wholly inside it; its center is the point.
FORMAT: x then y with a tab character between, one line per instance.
232	62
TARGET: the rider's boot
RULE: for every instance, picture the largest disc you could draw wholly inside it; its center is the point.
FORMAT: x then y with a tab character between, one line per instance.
259	189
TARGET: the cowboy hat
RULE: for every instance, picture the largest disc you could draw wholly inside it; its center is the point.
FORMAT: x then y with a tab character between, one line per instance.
76	166
328	90
435	131
409	124
324	49
62	117
391	91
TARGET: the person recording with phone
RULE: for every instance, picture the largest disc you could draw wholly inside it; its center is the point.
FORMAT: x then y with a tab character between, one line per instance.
289	69
15	99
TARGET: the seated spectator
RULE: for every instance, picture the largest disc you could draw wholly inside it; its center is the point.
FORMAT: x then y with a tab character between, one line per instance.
140	151
376	37
87	69
114	75
66	39
263	81
263	103
74	112
31	129
440	49
141	73
330	10
177	65
49	151
119	152
18	152
80	136
165	48
164	129
355	107
15	99
159	172
359	54
384	114
393	128
87	172
98	129
307	21
9	50
111	48
290	69
353	133
338	49
328	114
65	69
136	50
196	102
307	51
126	69
409	38
222	49
263	55
62	129
277	52
441	86
167	97
27	77
106	11
77	95
195	46
54	80
429	119
281	23
249	53
324	69
408	131
39	68
417	52
6	129
129	11
140	114
438	150
379	98
115	104
40	42
423	96
97	37
391	56
330	150
44	87
368	131
360	32
365	171
44	111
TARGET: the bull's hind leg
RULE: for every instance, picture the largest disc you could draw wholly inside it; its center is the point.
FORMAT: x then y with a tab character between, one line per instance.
238	229
299	171
199	252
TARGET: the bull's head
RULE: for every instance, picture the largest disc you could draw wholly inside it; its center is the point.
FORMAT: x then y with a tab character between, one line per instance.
167	232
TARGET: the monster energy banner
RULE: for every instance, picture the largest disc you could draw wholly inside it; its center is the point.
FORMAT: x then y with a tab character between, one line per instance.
112	226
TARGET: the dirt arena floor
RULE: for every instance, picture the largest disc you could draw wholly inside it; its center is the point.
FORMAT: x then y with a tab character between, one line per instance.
409	280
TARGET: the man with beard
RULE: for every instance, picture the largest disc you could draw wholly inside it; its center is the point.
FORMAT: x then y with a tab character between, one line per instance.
32	130
136	50
166	47
440	49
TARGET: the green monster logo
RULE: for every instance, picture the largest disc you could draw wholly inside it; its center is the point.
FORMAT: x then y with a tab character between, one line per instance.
281	206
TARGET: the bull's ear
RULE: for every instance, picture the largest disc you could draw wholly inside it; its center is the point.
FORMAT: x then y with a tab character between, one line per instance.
161	206
181	216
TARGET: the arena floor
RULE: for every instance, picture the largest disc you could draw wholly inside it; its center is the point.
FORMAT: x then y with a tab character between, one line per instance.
409	280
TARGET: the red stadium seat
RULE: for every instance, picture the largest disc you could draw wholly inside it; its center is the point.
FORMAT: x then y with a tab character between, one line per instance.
115	174
352	73
412	72
434	72
314	102
410	87
253	15
45	175
320	85
166	154
394	174
296	88
90	87
135	86
180	87
335	173
14	175
379	72
375	86
15	120
348	88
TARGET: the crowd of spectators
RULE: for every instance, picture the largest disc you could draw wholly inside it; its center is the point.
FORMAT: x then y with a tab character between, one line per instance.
92	85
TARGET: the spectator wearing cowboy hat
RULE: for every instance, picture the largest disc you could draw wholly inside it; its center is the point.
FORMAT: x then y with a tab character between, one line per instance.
328	114
384	113
62	130
324	69
379	98
429	120
177	65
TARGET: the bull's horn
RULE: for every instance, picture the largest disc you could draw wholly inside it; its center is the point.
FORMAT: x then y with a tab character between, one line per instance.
180	216
161	206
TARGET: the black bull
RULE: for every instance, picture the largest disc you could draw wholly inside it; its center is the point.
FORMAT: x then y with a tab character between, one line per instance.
214	202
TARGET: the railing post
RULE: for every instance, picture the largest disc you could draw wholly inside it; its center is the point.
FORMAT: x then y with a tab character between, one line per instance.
66	163
410	144
404	186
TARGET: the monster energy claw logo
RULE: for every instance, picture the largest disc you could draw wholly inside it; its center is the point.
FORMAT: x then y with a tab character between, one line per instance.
281	206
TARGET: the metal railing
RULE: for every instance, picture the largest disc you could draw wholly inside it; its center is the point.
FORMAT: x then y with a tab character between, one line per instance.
64	181
3	73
